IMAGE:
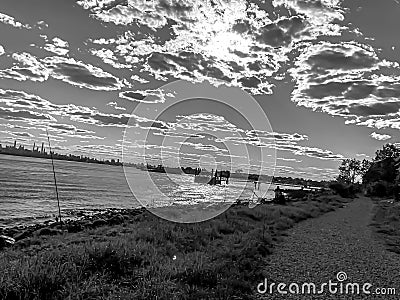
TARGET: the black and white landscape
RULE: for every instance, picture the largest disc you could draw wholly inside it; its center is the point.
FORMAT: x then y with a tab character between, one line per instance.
199	149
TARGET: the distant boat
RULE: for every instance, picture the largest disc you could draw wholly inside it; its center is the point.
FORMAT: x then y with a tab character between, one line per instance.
162	169
158	169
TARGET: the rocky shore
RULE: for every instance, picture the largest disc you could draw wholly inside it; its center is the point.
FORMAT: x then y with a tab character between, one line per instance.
84	220
111	216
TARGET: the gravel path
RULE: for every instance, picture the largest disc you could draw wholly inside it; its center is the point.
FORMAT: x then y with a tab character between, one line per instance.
340	241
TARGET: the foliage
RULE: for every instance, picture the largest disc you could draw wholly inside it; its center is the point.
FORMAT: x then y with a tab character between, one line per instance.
382	170
380	188
387	224
388	150
351	170
342	189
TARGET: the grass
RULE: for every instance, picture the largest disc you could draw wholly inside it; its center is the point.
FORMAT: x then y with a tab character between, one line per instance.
386	221
149	258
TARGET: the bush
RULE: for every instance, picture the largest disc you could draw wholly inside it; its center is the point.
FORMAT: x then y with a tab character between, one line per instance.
380	189
296	194
345	191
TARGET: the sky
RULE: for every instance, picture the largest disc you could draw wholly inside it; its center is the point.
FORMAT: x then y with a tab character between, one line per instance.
284	87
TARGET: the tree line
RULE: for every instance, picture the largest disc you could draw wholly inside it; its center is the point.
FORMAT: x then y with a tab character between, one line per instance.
352	170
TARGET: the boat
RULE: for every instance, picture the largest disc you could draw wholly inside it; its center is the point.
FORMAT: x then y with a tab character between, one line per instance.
158	169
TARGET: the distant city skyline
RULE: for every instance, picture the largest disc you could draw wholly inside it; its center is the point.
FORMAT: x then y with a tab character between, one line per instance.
20	150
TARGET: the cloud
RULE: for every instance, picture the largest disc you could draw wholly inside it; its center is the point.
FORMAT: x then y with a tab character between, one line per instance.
68	70
146	96
2	50
380	137
9	20
57	46
348	79
13	114
115	106
235	43
80	74
18	133
108	57
21	99
139	79
28	68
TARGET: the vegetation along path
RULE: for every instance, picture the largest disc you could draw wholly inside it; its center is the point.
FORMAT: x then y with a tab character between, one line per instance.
316	250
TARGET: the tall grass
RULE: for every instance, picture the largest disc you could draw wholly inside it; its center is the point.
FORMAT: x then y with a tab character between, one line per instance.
386	221
149	258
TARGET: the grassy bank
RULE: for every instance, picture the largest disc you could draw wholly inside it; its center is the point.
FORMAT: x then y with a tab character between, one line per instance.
386	222
148	258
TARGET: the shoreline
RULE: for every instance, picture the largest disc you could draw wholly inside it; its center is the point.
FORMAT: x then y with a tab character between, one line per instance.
85	217
109	216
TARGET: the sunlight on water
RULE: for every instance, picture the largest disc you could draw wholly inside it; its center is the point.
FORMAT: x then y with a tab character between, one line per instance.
27	193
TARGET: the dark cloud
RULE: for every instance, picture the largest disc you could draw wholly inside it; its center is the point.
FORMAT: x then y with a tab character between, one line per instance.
82	75
376	109
349	80
340	58
66	69
146	96
11	114
64	127
281	33
329	89
27	67
132	95
23	134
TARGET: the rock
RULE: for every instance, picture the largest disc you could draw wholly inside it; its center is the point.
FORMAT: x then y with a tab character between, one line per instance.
117	219
48	231
6	241
74	227
99	222
22	235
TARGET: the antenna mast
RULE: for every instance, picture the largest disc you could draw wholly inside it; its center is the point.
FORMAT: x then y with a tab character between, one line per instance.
55	180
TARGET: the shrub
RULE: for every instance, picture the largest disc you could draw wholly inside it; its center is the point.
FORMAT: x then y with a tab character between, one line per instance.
297	194
380	189
345	191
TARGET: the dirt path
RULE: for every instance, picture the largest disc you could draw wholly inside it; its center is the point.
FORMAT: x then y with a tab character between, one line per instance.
340	241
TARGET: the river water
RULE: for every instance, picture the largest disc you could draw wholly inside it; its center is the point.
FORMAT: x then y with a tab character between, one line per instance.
27	191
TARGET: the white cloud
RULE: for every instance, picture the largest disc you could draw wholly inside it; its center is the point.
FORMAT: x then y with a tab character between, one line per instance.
9	20
234	43
380	137
80	74
57	46
28	68
115	106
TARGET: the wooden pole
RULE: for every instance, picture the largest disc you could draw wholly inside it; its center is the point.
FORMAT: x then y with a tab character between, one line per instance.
55	179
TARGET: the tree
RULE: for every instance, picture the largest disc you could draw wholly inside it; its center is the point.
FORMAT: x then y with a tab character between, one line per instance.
388	150
352	169
364	167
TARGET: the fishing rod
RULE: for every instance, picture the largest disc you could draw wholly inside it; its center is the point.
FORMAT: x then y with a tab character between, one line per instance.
55	179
